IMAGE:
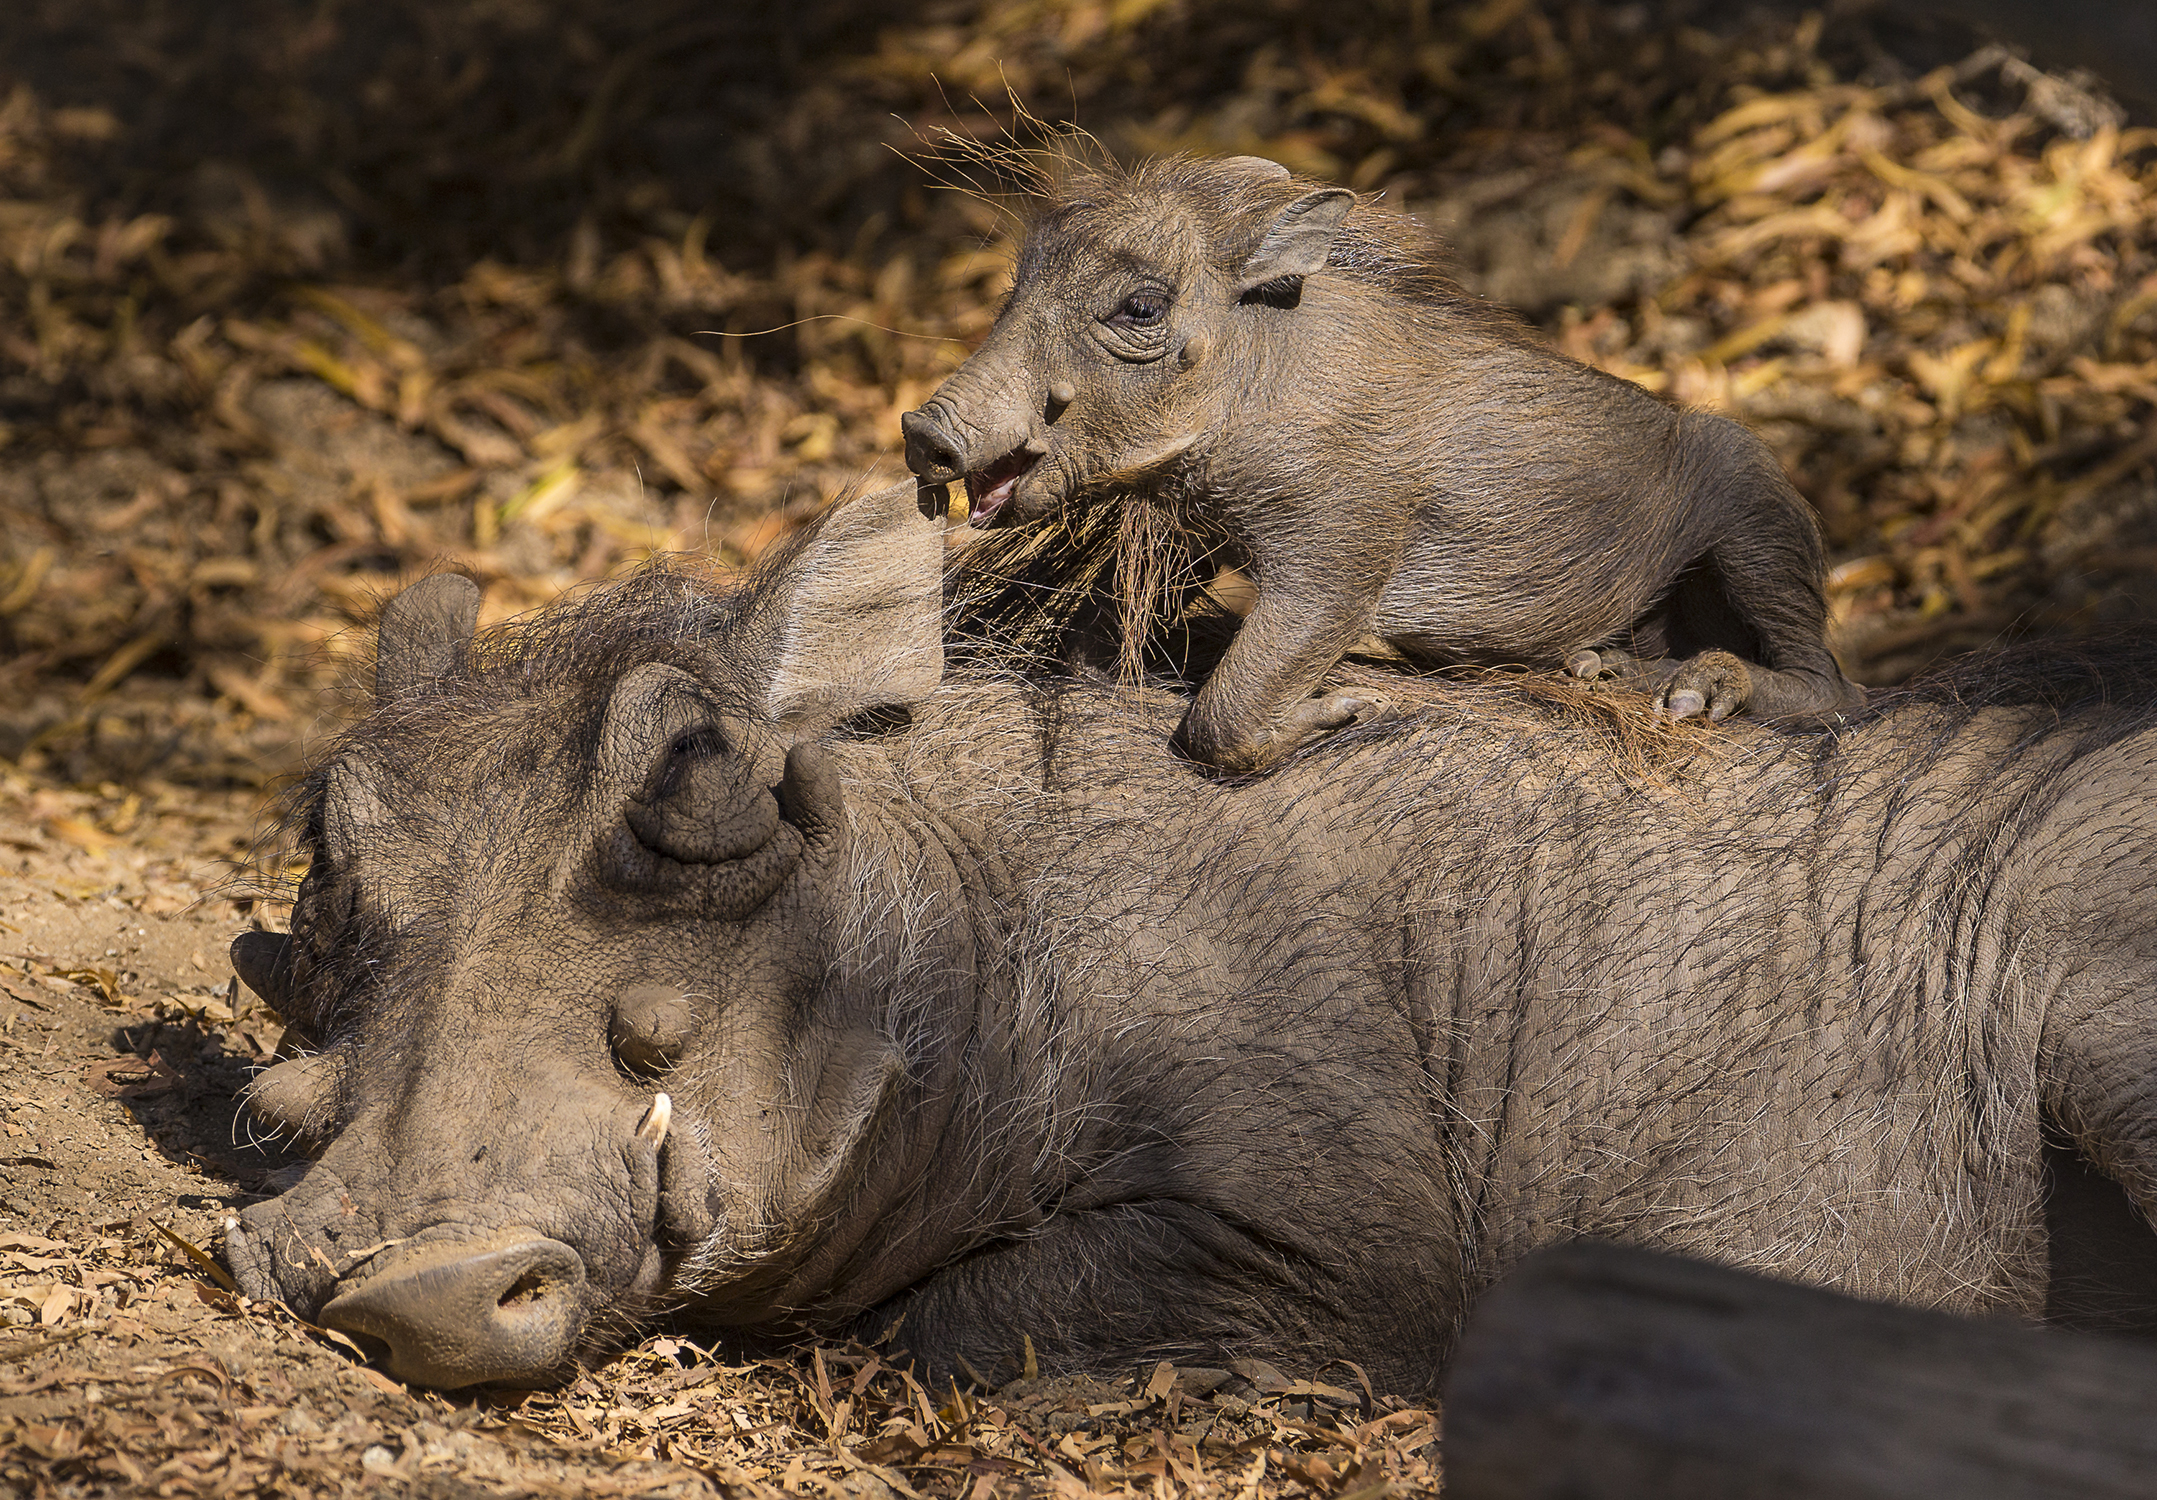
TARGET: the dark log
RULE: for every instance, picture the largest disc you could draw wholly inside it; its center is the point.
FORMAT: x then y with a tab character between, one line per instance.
1598	1372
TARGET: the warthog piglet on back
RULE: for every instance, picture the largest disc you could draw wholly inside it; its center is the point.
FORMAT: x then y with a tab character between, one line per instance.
647	972
1285	369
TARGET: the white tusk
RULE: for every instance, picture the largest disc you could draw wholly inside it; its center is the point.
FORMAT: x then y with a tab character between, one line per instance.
653	1127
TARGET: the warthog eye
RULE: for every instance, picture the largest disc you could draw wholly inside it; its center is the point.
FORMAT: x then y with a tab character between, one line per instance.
1140	310
692	745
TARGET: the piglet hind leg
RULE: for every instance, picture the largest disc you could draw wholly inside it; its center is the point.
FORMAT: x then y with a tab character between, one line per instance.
1713	685
1747	620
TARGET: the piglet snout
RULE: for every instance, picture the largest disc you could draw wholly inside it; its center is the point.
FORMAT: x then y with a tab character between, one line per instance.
933	452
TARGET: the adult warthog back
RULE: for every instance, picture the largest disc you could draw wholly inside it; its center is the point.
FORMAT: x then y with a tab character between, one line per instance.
652	970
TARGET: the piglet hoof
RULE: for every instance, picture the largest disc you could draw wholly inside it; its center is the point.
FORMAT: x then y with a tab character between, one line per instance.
1615	667
1313	717
1297	725
1713	684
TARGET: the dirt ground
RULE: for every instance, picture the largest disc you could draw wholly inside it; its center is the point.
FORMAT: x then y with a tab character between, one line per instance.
298	302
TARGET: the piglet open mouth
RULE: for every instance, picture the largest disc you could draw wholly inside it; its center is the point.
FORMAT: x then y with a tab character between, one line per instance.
987	489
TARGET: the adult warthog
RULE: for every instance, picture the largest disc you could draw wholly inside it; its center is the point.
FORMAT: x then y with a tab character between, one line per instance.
654	962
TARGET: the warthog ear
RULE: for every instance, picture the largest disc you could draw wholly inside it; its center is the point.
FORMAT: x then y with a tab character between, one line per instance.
703	797
850	615
1297	242
424	630
698	781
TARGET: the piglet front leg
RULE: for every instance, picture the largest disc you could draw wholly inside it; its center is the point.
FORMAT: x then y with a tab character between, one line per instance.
1261	700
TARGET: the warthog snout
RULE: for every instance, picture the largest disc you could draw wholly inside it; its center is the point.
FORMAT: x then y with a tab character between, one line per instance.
507	1308
933	452
941	449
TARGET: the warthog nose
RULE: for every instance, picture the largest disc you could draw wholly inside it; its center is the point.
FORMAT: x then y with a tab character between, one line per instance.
931	452
504	1309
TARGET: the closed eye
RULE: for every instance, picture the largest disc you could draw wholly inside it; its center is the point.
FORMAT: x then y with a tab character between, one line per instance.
699	743
1140	310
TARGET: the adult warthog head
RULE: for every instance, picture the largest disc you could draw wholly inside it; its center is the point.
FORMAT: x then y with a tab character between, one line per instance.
569	889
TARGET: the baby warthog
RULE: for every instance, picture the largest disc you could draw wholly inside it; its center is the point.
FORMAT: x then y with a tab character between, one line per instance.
647	969
1285	370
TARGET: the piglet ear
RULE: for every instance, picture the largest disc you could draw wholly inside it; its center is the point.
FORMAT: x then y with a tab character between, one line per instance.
424	632
1298	240
849	615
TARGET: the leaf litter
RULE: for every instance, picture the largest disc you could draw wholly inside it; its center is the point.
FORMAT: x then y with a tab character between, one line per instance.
296	303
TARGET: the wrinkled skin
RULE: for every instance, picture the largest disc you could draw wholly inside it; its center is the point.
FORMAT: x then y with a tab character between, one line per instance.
1001	1018
1283	368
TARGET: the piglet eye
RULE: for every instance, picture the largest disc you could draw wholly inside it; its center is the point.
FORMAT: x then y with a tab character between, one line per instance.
1140	310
